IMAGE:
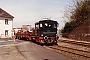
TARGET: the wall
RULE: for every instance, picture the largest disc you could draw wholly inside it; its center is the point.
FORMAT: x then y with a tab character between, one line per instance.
4	27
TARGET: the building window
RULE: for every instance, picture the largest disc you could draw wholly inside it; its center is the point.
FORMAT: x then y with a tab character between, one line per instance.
6	32
6	21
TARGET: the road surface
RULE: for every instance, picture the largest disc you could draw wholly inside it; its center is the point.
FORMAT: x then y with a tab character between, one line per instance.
32	51
9	42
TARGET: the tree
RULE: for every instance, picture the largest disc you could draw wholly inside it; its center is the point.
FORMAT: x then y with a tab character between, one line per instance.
82	11
76	13
79	10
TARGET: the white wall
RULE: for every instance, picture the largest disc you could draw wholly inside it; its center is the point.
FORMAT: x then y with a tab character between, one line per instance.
4	27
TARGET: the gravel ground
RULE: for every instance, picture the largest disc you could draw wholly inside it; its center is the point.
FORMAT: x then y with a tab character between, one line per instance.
10	53
74	46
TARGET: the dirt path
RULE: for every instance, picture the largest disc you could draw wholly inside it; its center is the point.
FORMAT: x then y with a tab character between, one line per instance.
10	53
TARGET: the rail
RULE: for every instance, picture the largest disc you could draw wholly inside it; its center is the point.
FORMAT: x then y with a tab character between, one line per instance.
70	51
83	43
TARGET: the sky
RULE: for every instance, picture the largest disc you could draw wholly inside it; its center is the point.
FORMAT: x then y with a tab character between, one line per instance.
27	12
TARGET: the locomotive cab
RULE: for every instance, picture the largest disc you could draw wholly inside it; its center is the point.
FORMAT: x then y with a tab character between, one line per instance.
46	31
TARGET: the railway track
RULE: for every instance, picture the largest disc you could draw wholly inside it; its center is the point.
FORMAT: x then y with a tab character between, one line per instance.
81	43
75	53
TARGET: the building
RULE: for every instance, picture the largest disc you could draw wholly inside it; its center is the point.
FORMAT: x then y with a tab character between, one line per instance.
6	24
27	27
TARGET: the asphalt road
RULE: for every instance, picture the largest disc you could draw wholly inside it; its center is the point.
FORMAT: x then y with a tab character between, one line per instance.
32	51
9	42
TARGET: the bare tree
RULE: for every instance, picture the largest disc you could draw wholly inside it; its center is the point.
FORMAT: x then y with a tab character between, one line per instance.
76	13
78	10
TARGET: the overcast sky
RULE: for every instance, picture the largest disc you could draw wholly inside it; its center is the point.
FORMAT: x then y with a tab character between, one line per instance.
30	11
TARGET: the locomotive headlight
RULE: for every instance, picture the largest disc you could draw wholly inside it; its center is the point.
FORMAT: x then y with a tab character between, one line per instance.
45	37
41	34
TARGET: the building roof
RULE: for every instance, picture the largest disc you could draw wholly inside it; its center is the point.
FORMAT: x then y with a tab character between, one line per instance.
4	14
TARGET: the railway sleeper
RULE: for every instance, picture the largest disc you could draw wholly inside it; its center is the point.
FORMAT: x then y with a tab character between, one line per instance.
73	51
86	44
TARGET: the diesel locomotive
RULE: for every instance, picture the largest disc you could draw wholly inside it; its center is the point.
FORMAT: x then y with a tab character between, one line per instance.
45	32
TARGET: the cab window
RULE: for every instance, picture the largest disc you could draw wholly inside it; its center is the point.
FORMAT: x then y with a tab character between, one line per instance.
46	25
41	25
55	26
37	26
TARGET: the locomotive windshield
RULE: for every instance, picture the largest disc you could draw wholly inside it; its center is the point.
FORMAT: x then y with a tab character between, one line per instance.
48	25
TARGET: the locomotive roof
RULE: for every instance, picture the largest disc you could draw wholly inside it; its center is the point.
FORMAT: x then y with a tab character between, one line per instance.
44	21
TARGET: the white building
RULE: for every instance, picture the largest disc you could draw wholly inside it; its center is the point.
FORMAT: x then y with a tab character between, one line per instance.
6	24
27	27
